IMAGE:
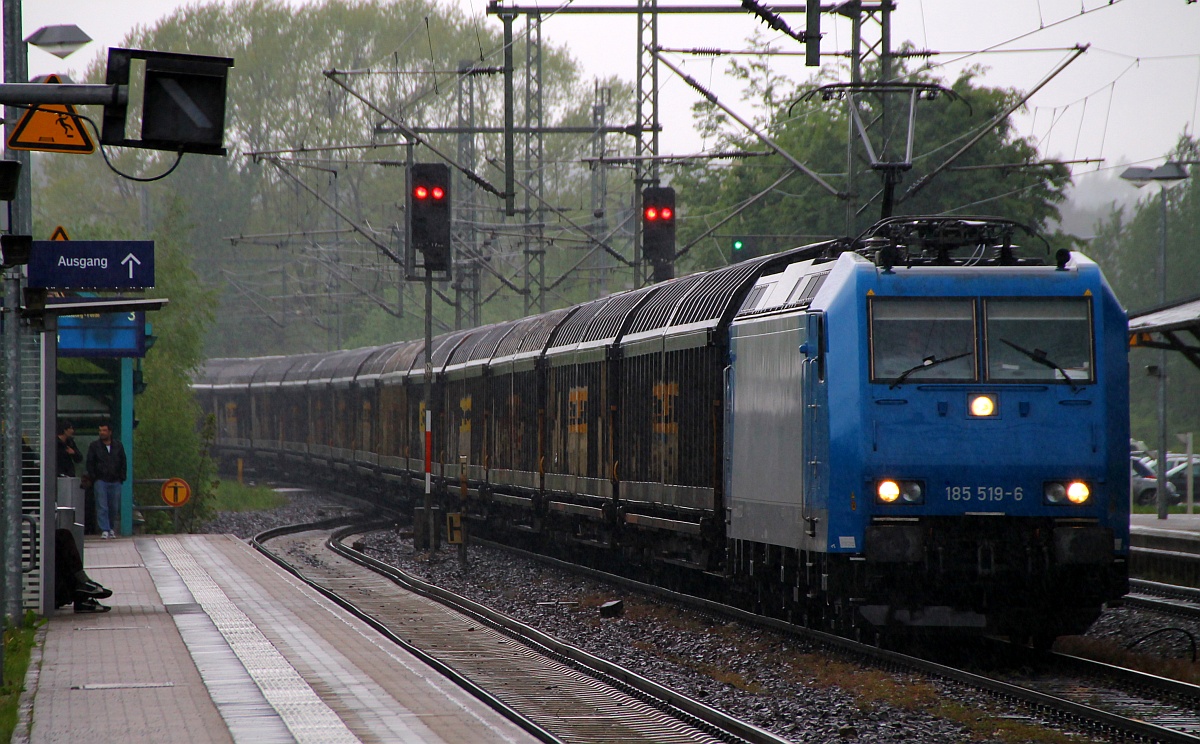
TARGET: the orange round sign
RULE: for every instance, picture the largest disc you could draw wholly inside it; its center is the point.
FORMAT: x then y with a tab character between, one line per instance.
176	492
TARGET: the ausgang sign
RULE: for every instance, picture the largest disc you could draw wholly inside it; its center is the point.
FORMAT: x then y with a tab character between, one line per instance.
92	264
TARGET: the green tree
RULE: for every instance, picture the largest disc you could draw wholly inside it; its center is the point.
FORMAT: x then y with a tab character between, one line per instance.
167	440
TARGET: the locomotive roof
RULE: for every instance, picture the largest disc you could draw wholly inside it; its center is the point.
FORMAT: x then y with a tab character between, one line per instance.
794	287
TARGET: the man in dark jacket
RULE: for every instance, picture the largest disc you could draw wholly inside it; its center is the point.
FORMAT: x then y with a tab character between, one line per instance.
68	451
106	466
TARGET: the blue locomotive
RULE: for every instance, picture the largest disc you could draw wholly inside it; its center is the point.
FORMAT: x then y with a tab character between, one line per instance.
918	427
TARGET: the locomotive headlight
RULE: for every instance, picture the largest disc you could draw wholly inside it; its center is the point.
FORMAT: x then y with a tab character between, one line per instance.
1078	492
1064	492
905	491
912	492
1054	493
982	406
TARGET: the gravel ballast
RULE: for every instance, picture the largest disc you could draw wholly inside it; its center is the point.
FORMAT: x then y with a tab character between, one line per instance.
778	682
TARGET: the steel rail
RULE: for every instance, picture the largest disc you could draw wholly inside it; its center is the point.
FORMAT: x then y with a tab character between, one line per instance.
1104	720
691	711
1034	698
1167	590
1132	677
444	669
1183	601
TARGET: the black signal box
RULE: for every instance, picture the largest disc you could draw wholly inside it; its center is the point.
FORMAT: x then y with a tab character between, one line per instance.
429	214
658	230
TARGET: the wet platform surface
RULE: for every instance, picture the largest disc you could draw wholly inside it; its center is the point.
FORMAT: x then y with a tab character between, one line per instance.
207	641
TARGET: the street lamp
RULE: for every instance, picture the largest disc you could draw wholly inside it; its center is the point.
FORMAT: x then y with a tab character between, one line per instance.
1165	175
61	41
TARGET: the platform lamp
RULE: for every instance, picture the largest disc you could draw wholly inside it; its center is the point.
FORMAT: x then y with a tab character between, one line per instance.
1165	175
61	41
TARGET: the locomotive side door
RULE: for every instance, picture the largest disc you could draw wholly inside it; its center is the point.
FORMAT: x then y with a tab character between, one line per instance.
812	378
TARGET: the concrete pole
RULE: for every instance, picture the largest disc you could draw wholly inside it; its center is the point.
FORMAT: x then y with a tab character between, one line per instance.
432	525
16	70
1161	485
12	448
1188	472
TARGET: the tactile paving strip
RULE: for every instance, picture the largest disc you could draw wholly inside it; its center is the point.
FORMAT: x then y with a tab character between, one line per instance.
306	716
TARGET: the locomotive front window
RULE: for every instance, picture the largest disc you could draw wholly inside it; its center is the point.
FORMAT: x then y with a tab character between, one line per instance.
1039	340
922	340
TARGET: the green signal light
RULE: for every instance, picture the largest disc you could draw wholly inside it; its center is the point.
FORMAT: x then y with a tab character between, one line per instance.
738	245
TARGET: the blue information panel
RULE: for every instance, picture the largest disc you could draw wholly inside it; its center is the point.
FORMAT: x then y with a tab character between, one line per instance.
102	335
92	264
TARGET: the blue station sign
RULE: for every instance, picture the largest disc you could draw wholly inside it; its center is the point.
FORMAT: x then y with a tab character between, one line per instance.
92	264
102	335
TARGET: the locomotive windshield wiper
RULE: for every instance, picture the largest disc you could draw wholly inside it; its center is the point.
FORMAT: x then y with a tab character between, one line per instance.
1040	357
926	363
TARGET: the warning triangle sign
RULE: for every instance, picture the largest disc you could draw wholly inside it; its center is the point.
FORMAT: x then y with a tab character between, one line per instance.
60	233
52	127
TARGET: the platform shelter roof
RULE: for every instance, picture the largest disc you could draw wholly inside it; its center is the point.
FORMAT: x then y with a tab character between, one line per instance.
1174	326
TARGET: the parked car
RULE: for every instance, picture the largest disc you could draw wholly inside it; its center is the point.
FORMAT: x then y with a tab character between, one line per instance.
1144	485
1177	475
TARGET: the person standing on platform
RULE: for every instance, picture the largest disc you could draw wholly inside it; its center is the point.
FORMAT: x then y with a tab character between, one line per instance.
106	466
71	582
68	451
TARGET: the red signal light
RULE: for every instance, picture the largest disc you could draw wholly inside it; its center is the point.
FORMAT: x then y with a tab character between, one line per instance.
421	192
651	214
438	192
667	213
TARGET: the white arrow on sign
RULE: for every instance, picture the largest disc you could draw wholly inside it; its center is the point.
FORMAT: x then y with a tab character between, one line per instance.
131	260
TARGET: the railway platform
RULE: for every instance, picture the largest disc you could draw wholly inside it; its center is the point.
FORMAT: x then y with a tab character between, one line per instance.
207	641
1177	522
1165	550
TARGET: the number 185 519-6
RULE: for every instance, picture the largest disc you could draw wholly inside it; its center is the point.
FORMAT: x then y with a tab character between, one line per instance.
983	493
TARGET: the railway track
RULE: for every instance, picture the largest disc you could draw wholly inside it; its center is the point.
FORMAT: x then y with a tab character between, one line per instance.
1118	703
554	691
1164	555
1114	702
1181	601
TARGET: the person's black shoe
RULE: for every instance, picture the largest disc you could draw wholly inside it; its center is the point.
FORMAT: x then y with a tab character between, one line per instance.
89	606
91	589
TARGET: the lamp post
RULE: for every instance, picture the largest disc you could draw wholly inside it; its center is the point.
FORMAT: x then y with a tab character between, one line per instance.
1165	175
60	41
16	70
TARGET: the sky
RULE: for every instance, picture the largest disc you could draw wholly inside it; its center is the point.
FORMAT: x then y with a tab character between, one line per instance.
1126	100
